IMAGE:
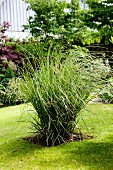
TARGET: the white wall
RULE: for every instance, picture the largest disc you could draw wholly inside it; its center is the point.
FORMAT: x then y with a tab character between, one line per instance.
18	35
15	12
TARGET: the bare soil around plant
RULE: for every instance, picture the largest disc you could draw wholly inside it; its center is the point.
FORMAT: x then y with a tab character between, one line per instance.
41	140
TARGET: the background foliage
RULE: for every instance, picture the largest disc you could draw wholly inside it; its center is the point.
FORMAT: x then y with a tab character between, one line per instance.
55	19
11	95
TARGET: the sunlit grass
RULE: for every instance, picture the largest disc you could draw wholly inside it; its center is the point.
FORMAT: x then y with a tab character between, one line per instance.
93	154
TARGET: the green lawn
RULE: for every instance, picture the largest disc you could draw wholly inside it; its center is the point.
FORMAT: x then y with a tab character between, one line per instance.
93	154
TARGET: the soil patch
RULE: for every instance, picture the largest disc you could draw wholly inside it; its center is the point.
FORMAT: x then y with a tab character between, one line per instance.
41	140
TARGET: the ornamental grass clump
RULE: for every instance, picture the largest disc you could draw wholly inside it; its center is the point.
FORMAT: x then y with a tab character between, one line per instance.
58	91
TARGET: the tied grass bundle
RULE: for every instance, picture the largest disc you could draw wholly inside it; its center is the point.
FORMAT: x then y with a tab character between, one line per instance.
58	91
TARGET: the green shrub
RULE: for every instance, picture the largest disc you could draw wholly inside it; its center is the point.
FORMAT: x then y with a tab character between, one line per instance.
12	95
33	48
38	48
106	94
6	72
2	88
58	91
10	60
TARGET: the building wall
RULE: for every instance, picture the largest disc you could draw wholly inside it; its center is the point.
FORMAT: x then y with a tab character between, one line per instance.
15	12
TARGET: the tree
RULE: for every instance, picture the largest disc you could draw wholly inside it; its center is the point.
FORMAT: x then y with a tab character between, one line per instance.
99	17
53	18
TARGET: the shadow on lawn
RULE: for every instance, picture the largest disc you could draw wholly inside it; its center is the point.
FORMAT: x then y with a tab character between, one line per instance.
89	154
19	148
96	155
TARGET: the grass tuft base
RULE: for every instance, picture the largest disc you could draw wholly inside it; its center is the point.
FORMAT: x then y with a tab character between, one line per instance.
41	140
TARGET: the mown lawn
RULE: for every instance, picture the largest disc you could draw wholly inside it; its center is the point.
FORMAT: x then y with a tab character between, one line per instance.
93	154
